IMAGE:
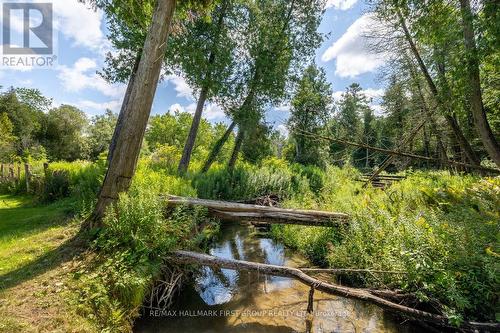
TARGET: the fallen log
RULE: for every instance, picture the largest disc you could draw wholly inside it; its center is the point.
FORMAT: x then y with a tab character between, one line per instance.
187	257
253	213
348	270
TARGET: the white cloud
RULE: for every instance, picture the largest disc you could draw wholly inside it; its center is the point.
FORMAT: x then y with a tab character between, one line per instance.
373	93
82	76
113	105
352	50
181	86
81	24
340	4
377	109
337	95
211	112
176	107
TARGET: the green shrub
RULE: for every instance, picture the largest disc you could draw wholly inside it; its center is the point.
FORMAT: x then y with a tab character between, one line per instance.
247	182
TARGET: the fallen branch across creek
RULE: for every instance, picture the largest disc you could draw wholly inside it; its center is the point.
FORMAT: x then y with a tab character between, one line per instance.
348	270
252	213
186	257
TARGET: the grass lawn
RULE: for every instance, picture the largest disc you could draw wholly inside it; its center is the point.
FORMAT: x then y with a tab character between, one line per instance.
38	252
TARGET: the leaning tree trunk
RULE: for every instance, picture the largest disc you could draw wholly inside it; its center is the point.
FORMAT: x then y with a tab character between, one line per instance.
119	121
236	150
193	132
188	147
136	112
217	148
464	144
474	95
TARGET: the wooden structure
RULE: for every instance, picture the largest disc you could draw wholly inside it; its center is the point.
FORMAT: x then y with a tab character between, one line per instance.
380	181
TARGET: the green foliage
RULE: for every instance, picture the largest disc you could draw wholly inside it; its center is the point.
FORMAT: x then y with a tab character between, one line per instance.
439	229
310	112
247	182
166	133
136	237
100	133
63	138
7	138
79	180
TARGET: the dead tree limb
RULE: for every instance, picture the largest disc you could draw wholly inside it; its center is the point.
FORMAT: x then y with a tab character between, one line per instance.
398	153
186	257
348	270
253	213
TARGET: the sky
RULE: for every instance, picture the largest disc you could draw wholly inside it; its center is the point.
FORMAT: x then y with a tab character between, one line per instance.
81	48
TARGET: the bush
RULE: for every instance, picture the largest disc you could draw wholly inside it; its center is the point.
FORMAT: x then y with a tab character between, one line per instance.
79	180
247	182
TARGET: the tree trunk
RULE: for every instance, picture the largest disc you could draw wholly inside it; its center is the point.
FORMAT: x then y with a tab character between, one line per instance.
237	147
218	147
136	112
236	212
188	147
365	295
474	95
119	121
193	132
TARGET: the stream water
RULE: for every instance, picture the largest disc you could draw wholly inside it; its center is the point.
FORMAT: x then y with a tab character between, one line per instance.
221	300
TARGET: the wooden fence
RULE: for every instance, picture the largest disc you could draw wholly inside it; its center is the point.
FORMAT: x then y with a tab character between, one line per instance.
17	172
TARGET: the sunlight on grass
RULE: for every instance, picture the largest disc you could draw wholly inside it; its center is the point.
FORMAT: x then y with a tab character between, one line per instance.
27	232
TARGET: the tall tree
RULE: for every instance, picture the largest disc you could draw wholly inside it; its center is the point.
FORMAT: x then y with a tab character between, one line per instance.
64	134
283	37
346	123
136	110
310	109
100	133
205	56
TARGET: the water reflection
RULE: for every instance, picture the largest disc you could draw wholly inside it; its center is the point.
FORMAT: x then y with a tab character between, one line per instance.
221	300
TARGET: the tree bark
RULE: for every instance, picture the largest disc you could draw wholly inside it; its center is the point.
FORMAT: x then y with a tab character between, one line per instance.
136	110
236	150
218	147
193	131
119	121
264	214
475	95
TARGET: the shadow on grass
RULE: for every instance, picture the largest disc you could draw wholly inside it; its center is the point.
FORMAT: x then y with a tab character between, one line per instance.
26	218
63	253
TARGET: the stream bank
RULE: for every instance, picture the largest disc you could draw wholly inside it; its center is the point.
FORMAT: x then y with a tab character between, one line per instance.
222	300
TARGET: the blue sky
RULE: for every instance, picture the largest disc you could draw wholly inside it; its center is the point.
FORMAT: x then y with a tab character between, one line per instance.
82	45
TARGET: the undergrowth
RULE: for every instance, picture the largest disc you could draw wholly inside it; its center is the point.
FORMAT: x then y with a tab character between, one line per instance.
440	229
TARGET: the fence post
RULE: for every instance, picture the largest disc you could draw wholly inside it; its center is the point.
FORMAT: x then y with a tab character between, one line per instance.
45	169
11	171
18	171
1	170
27	176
